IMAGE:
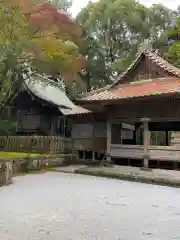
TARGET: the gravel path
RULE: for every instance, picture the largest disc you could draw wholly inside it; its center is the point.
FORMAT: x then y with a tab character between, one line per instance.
59	206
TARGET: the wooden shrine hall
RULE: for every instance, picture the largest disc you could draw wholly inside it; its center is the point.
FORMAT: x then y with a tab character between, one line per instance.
122	120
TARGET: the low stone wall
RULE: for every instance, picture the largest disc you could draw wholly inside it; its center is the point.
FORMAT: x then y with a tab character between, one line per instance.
6	172
40	162
13	166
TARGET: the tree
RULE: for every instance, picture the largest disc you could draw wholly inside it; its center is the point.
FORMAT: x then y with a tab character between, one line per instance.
95	67
63	4
36	34
7	128
174	40
116	30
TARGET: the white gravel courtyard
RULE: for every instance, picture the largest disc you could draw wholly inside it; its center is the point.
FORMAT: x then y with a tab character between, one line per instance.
60	206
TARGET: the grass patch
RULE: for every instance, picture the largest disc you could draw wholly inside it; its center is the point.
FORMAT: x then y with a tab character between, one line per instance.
18	154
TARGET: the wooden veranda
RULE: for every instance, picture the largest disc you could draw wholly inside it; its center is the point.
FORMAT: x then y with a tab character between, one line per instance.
118	120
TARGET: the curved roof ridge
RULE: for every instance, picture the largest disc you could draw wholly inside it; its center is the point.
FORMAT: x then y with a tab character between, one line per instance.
49	81
95	91
158	86
159	61
162	63
116	82
131	66
48	91
152	56
108	87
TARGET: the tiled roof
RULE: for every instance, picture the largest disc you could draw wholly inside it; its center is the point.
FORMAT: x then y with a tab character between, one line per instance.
155	87
159	61
47	90
77	110
104	95
163	64
158	86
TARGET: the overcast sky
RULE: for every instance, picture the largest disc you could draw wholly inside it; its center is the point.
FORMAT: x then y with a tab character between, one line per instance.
78	4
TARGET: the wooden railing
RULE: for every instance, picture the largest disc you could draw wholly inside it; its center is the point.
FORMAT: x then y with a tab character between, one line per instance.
127	151
164	153
37	144
161	153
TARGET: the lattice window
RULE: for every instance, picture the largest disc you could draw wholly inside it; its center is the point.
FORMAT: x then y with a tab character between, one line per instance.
31	121
144	75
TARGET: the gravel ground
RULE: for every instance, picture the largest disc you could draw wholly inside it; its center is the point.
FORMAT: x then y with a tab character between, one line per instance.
59	206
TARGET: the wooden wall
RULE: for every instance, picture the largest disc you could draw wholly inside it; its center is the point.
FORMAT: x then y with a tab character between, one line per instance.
33	121
157	108
33	116
89	134
145	70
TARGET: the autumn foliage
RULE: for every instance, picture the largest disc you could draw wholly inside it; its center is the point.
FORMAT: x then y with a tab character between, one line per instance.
48	39
45	16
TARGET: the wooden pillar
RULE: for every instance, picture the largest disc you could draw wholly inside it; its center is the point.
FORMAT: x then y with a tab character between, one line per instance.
108	124
52	134
93	139
146	142
64	127
52	126
121	133
135	134
167	138
175	165
84	155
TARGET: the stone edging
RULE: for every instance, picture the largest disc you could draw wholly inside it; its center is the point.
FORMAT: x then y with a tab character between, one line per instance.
129	177
37	163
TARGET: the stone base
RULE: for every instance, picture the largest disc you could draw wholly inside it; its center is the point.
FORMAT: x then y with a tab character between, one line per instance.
6	171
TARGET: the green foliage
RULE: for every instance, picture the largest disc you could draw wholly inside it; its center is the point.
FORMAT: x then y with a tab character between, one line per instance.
24	166
174	50
63	4
36	33
7	128
116	30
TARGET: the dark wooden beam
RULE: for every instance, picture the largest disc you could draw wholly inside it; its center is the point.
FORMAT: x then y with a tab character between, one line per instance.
167	138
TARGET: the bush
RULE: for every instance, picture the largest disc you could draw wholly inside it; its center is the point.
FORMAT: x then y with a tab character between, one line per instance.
7	128
26	164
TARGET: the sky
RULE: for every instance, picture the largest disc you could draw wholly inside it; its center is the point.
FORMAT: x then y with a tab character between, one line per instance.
79	4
